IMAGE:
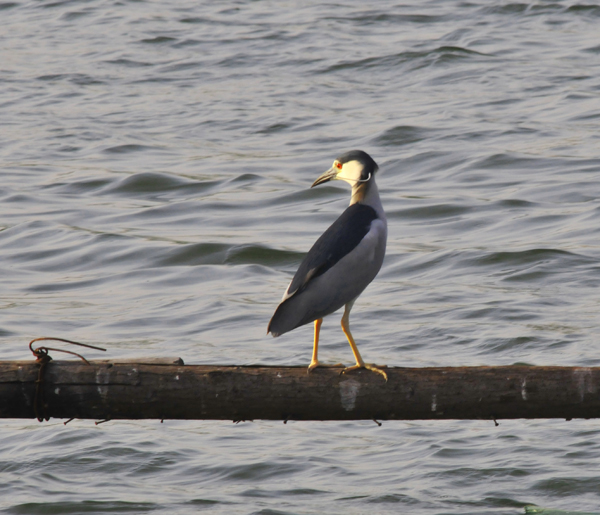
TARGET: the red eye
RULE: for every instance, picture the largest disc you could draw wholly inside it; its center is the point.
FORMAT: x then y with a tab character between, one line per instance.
338	166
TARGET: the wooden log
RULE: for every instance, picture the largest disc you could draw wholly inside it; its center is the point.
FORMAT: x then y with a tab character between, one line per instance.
104	390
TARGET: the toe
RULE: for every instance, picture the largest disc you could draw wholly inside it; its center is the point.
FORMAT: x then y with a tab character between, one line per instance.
372	368
312	366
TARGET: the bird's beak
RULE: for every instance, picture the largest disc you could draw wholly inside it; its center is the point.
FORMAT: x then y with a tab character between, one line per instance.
329	175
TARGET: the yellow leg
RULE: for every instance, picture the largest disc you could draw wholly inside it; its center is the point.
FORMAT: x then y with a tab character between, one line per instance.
359	361
314	362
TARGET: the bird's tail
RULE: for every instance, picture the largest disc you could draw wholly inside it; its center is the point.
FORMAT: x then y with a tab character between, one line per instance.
285	318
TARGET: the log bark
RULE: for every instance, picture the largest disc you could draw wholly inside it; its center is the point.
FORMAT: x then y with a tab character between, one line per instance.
125	390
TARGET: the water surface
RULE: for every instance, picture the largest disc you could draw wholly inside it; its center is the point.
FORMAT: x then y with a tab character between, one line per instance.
156	162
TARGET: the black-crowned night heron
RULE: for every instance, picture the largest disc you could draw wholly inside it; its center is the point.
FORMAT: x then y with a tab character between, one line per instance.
342	262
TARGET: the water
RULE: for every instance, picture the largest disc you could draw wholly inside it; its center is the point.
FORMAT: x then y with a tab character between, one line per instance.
155	163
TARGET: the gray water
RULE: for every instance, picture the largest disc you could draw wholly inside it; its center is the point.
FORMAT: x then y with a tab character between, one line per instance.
155	163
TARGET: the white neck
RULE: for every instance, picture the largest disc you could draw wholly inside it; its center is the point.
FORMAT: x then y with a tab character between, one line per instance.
368	194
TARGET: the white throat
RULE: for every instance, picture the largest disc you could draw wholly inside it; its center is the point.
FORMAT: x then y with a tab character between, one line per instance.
368	194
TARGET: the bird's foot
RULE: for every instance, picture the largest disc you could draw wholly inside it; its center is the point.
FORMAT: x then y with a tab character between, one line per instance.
366	366
315	364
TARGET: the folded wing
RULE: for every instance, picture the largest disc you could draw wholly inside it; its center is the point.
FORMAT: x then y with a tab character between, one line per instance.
302	302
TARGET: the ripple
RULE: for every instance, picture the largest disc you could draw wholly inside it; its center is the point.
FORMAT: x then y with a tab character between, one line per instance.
530	256
404	135
79	79
158	40
431	212
251	472
392	19
82	186
127	149
153	185
440	55
585	9
569	485
130	63
393	499
90	507
216	253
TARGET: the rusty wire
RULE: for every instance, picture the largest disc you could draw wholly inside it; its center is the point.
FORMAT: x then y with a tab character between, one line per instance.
41	353
43	357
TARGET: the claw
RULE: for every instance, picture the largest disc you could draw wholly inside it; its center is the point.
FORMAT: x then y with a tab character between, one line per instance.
366	366
315	364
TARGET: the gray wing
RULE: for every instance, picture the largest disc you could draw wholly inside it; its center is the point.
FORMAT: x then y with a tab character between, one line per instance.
337	241
344	235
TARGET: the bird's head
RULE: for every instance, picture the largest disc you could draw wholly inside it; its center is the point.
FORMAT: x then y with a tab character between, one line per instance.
355	167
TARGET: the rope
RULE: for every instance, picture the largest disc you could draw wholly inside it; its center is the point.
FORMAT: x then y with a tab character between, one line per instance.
43	358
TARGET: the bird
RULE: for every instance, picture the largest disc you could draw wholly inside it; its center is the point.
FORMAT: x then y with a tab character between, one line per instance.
342	262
